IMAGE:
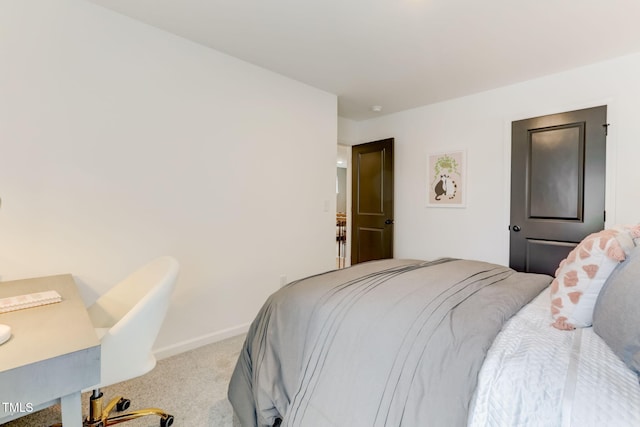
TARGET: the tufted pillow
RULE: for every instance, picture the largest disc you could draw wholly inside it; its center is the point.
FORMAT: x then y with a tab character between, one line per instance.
616	317
580	277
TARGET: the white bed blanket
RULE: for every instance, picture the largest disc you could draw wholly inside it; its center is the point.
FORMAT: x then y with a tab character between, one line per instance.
536	375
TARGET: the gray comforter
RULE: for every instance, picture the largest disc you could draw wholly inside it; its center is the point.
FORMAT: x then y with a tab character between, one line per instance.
384	343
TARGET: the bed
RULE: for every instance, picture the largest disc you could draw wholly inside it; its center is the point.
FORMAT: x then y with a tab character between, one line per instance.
447	342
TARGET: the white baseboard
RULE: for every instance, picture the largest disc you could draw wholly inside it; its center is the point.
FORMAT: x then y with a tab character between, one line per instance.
190	344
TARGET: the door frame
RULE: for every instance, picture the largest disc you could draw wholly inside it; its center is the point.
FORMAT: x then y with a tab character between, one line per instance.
611	149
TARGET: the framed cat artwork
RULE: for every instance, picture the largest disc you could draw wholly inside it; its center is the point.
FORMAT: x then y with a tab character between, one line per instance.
446	179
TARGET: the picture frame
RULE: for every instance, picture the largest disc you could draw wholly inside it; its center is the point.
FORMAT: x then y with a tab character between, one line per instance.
446	179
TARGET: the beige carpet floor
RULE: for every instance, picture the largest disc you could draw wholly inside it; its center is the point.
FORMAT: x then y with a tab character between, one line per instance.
191	386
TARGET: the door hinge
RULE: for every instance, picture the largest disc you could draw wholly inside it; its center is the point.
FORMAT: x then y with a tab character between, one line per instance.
606	129
604	216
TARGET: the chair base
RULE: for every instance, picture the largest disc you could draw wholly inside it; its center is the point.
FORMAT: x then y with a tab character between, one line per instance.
99	415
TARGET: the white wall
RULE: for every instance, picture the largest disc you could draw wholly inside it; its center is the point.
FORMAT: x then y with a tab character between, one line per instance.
481	124
120	143
348	131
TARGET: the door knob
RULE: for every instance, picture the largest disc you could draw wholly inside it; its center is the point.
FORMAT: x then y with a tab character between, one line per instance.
516	228
389	222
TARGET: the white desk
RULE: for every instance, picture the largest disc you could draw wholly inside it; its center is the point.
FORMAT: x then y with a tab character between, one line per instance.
52	355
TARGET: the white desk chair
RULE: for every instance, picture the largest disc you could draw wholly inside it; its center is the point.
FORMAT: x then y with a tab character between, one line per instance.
127	320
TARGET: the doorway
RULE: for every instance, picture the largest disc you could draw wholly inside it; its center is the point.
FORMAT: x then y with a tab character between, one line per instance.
342	205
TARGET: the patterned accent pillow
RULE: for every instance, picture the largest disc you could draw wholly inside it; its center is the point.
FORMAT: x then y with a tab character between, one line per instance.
580	277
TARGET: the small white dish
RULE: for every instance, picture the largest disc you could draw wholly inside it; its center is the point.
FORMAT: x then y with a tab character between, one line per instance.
5	333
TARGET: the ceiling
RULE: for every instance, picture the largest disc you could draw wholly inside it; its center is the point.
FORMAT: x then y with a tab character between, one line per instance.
401	54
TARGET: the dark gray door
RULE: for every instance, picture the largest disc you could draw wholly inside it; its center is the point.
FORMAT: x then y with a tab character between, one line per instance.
557	186
372	204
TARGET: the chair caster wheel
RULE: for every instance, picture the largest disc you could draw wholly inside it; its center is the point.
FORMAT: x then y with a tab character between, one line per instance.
123	404
166	421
